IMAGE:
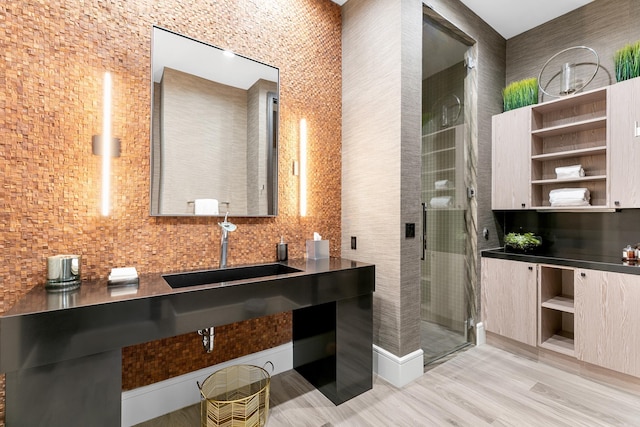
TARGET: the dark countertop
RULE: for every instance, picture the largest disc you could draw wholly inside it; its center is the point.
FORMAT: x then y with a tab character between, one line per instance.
45	327
592	262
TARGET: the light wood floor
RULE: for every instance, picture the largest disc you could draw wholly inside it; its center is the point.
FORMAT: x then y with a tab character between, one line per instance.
480	387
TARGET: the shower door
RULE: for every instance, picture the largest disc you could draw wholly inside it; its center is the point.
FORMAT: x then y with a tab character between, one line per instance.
446	192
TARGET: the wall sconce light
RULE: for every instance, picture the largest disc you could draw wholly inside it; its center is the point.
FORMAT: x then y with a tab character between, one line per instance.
303	167
106	146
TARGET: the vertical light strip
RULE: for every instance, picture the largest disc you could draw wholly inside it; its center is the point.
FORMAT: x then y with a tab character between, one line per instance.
106	144
303	167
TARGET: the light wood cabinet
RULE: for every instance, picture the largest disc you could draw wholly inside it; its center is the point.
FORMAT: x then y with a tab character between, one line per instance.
599	130
588	314
510	160
625	141
608	320
509	299
530	143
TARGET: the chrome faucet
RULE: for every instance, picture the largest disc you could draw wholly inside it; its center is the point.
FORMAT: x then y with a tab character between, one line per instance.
227	227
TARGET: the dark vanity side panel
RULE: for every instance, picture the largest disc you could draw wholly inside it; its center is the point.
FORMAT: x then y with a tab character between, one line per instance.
332	346
86	392
333	342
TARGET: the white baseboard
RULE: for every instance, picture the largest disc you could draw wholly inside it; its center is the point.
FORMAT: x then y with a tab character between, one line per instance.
399	371
481	335
148	402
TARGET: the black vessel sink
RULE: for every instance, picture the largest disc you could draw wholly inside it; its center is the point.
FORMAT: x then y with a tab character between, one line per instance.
181	280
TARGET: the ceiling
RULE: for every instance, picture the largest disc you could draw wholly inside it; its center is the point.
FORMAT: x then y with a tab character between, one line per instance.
512	17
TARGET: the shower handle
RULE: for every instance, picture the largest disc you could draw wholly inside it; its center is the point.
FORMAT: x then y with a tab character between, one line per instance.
424	231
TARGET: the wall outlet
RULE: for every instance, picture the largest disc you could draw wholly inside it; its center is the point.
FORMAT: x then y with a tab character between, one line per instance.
353	242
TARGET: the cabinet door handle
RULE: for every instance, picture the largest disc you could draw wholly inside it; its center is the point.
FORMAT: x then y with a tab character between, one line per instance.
524	205
530	268
583	274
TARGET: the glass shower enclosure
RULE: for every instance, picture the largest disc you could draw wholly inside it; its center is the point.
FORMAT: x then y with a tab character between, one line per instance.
446	192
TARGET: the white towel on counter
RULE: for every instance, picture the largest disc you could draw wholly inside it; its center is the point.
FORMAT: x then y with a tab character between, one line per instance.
443	184
568	172
206	207
569	197
440	202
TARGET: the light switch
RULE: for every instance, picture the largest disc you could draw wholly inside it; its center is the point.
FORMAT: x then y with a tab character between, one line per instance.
410	230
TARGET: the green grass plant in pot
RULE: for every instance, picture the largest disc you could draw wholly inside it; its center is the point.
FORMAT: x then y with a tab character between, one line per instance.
520	94
522	242
627	62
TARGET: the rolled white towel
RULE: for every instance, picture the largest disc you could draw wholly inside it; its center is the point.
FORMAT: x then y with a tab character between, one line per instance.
440	202
569	197
567	172
443	184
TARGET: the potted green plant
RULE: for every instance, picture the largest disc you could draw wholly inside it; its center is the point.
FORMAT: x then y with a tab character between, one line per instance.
627	61
520	93
522	242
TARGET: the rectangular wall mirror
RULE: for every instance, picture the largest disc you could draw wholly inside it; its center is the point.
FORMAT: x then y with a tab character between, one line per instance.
214	130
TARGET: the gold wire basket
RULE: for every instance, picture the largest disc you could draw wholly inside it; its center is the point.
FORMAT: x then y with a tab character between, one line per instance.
235	396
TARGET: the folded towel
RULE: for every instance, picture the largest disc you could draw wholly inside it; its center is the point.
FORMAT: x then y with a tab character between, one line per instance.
442	184
570	202
567	172
123	273
569	193
569	197
440	202
206	207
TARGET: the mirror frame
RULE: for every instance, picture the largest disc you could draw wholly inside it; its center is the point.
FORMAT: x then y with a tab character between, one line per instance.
272	130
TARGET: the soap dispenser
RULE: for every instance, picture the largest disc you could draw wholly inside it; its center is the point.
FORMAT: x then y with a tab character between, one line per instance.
282	250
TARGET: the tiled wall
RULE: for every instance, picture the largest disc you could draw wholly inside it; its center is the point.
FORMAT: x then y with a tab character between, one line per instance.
54	54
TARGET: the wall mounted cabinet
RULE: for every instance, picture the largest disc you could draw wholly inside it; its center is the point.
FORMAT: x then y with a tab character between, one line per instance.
510	182
625	143
531	142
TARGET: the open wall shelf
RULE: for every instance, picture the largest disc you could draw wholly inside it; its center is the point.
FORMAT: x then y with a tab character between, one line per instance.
565	132
556	309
